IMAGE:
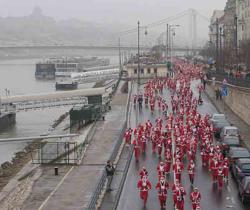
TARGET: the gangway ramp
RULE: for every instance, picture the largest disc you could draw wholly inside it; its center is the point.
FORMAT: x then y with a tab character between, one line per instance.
53	99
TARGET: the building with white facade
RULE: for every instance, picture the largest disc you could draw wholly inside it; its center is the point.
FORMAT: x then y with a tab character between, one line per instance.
146	70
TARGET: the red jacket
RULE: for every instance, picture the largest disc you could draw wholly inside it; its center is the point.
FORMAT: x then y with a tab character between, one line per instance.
195	197
144	185
162	188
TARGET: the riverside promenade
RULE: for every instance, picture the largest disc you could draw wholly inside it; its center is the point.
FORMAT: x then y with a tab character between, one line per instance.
74	186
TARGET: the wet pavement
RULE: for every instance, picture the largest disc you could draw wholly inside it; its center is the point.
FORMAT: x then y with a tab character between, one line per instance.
211	199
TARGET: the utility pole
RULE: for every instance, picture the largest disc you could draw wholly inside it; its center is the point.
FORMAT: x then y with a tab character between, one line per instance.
222	49
138	78
138	75
220	54
236	41
217	44
120	61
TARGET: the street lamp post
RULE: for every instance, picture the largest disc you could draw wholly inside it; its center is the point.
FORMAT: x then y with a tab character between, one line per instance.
217	44
138	73
220	48
236	41
171	40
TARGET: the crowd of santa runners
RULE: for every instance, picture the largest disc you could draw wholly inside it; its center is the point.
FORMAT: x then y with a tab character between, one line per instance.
181	133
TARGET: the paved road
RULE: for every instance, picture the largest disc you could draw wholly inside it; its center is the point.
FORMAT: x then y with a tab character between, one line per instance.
212	199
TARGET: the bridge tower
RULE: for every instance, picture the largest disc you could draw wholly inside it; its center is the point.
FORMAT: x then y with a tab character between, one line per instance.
193	28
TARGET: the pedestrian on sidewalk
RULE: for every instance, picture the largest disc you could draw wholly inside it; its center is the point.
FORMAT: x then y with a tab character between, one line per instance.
110	170
217	93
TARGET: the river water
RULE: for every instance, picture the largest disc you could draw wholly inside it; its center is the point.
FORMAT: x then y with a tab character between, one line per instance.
18	76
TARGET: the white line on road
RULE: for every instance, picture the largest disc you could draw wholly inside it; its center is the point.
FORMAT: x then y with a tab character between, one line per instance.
233	201
53	192
228	188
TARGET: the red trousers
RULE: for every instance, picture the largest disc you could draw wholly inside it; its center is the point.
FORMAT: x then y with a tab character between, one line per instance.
143	146
194	205
178	176
159	151
144	196
162	200
137	154
214	175
167	167
191	177
220	181
180	205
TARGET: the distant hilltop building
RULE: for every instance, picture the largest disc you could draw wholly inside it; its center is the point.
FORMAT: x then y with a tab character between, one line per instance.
37	12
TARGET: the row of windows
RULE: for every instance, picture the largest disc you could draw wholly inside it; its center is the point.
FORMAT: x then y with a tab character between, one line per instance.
148	71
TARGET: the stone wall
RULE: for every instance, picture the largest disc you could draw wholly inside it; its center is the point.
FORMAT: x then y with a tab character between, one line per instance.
238	100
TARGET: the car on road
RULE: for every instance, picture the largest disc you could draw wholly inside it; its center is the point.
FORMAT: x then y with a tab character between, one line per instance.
229	131
236	153
241	168
244	189
218	126
217	118
228	142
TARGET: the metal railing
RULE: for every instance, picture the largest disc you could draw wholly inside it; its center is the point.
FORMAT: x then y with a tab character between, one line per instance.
62	152
100	186
130	155
220	76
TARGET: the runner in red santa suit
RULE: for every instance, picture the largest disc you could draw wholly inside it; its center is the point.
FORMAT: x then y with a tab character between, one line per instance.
175	187
152	105
204	157
191	171
214	169
220	177
161	170
180	195
178	168
127	136
195	198
168	160
143	144
159	146
154	143
162	187
136	149
144	186
143	172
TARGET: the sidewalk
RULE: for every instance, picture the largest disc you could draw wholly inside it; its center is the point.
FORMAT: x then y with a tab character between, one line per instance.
73	188
231	116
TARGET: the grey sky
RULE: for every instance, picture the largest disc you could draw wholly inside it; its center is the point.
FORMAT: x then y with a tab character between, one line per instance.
124	11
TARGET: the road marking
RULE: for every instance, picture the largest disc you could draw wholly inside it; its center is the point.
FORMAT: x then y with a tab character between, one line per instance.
53	192
233	201
228	188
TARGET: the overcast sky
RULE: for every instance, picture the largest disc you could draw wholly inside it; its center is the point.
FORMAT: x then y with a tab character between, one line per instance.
124	11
